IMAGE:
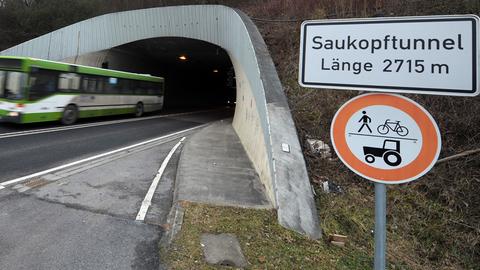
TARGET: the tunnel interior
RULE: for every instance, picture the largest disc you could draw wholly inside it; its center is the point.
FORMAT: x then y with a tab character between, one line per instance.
197	74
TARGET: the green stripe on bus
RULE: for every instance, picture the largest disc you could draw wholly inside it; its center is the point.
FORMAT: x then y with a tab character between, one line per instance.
55	116
106	112
41	117
73	94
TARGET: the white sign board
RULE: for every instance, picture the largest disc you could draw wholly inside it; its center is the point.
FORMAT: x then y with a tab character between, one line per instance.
386	138
426	55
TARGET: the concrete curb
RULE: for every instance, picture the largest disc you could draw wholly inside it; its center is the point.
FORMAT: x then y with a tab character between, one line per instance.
175	216
174	224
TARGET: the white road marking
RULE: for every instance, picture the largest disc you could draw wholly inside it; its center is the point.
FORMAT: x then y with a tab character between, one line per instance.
148	198
56	129
2	187
20	179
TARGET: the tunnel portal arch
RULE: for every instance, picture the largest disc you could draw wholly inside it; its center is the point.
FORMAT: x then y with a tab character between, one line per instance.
262	117
206	65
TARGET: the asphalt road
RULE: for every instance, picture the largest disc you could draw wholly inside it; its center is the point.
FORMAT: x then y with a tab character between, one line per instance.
25	155
83	217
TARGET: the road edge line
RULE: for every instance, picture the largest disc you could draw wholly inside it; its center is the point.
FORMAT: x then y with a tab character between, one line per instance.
23	178
147	201
88	125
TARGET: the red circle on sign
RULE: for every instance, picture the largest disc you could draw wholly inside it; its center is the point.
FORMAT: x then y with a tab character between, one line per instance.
425	160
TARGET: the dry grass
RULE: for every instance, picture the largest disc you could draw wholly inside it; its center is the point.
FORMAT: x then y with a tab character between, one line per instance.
267	245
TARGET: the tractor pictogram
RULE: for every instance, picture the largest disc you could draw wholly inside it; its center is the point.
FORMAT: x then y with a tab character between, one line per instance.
390	152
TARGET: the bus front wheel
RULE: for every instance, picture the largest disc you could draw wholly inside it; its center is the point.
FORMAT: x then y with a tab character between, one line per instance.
139	109
70	115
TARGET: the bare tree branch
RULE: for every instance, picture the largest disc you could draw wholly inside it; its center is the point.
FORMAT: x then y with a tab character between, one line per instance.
457	156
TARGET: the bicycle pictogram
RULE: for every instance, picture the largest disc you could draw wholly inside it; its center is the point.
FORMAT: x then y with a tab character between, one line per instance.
393	126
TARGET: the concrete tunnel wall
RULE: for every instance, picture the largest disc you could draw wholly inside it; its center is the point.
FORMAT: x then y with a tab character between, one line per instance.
262	118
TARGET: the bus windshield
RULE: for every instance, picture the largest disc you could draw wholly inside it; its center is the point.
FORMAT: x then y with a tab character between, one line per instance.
11	84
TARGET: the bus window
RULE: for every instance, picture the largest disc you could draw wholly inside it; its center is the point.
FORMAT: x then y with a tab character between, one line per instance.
159	89
151	88
135	85
124	86
110	85
14	85
2	83
10	63
89	85
156	88
142	88
100	85
162	88
68	82
42	83
75	82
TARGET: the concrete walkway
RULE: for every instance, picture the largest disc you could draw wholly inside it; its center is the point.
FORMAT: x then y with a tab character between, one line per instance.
215	169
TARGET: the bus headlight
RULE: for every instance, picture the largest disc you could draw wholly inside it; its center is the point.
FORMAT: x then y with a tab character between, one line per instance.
13	114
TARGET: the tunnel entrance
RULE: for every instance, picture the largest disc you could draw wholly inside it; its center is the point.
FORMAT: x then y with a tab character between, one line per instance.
262	118
197	74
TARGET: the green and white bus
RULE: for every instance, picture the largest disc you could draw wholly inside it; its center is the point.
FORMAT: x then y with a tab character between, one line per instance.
34	90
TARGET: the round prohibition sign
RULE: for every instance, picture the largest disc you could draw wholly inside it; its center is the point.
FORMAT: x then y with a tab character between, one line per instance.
385	138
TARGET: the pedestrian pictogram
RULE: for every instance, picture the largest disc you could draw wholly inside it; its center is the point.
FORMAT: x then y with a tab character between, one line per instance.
365	120
386	138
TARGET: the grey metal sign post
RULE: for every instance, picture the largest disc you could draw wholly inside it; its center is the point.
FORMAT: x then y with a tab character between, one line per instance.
380	226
